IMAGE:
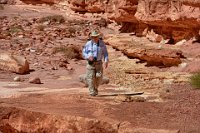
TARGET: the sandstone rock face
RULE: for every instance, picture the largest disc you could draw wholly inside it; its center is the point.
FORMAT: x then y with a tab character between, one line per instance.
40	1
88	5
123	10
173	19
156	57
145	52
17	64
178	19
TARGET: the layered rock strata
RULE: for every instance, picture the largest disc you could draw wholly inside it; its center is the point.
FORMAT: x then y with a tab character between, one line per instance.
173	19
152	55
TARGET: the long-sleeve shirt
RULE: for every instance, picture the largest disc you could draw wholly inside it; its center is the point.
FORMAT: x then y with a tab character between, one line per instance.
98	51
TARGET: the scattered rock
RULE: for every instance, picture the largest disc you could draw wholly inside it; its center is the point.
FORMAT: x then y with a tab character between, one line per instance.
126	98
20	36
168	81
27	49
34	80
182	42
152	36
32	50
17	79
183	65
69	68
123	98
54	68
138	99
167	90
160	47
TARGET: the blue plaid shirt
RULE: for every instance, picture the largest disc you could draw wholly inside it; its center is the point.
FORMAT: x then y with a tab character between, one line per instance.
98	51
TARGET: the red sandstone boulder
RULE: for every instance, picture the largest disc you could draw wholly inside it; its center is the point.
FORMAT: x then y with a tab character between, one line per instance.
145	52
156	57
152	36
14	63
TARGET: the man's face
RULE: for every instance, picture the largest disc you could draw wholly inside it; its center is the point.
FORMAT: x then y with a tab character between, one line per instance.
95	39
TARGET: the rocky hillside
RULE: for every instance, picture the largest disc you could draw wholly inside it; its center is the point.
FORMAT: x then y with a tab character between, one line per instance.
173	19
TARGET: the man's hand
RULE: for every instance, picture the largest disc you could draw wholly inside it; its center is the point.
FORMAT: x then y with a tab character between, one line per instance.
91	58
105	65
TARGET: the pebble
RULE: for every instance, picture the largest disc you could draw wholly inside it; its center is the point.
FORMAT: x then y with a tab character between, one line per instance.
17	79
34	80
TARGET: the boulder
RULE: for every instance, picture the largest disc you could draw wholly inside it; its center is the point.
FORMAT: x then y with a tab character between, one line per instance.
146	52
156	57
152	36
14	63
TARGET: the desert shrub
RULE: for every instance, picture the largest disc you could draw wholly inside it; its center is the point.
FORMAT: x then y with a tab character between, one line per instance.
72	31
195	80
70	52
15	29
40	27
52	19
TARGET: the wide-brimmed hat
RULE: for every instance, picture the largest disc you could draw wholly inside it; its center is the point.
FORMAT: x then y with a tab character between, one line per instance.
94	34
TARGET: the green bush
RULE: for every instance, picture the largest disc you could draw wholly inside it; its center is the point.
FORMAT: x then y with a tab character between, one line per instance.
195	80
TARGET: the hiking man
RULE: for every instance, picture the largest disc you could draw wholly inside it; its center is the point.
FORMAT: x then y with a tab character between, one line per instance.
94	51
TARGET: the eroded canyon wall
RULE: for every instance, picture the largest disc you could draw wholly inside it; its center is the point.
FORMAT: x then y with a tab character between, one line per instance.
173	19
177	19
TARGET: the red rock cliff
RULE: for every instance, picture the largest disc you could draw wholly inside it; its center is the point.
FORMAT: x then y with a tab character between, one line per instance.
176	19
